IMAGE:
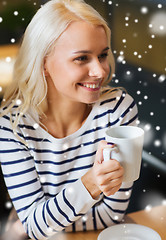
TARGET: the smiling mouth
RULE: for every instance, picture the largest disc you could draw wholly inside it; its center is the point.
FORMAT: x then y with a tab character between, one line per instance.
90	86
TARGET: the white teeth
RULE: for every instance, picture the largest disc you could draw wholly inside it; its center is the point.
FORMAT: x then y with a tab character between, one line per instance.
91	85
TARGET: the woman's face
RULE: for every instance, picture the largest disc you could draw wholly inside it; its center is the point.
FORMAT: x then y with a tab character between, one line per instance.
78	64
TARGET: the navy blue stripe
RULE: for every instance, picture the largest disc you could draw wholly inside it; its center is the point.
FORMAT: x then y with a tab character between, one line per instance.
122	116
113	220
5	116
10	130
128	109
22	184
74	227
117	200
20	125
26	126
124	124
26	207
59	184
70	206
68	160
34	236
94	130
38	225
113	123
84	225
24	220
20	173
67	150
93	142
17	161
102	221
27	230
111	110
43	214
13	150
125	189
26	137
94	218
107	101
27	195
51	215
120	100
13	114
11	140
114	210
130	121
61	212
65	172
23	209
56	152
108	91
101	128
46	194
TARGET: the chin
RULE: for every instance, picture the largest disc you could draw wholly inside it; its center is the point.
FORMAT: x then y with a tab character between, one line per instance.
92	101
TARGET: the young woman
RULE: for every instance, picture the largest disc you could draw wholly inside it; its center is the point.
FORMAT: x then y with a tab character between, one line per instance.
53	122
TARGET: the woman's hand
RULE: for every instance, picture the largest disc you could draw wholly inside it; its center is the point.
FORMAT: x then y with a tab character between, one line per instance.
105	177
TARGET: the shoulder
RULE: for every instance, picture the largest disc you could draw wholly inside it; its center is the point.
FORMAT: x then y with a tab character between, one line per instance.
5	120
117	107
9	127
116	97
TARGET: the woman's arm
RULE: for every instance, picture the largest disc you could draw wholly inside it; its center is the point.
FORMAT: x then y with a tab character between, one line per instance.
111	209
40	216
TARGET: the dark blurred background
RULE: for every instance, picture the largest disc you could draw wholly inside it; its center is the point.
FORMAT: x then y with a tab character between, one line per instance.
139	46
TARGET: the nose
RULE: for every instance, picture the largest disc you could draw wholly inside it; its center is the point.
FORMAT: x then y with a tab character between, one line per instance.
96	70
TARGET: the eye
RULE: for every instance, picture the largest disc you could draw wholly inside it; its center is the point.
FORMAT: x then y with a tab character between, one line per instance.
81	59
103	56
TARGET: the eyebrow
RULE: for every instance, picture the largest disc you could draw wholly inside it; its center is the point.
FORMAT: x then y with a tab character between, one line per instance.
86	51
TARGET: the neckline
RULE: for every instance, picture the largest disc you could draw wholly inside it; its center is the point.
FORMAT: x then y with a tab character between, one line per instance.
70	137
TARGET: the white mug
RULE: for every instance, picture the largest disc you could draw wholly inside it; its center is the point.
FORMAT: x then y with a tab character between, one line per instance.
128	142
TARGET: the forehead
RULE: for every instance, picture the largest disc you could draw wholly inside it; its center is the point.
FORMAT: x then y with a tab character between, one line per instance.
82	35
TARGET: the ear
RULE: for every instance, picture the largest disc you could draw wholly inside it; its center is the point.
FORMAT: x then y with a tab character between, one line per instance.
45	68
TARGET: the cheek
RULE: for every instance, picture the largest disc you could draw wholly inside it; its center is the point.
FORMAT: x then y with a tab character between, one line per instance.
107	68
75	73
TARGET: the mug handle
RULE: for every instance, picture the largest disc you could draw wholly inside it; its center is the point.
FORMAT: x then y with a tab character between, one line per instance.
107	152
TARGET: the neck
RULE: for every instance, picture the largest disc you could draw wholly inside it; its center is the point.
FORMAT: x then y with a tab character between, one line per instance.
63	120
64	117
67	112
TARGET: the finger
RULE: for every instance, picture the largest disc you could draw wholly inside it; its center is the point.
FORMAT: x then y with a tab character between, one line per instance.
99	154
112	191
110	166
107	183
116	174
107	178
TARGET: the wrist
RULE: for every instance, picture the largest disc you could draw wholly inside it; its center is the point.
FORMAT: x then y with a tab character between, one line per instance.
89	183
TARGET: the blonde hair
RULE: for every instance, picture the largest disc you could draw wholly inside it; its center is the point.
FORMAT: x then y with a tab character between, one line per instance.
29	86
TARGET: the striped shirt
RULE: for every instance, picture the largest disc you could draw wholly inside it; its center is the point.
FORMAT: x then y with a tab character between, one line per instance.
43	177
